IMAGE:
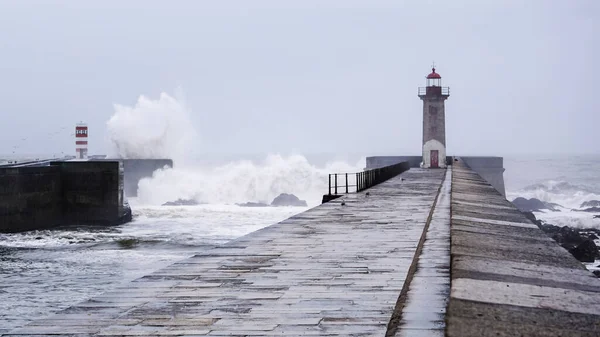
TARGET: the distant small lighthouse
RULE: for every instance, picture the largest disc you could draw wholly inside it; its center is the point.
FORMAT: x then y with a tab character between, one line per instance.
434	121
81	141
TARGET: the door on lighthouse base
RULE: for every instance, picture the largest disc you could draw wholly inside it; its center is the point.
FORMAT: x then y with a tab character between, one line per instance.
433	155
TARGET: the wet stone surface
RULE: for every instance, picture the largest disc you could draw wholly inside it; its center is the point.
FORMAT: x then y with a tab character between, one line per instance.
508	277
425	309
333	270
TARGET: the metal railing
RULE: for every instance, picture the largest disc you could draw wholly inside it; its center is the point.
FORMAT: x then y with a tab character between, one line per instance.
445	91
356	182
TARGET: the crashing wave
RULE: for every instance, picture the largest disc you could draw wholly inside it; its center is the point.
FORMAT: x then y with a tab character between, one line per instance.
242	181
570	196
158	128
563	193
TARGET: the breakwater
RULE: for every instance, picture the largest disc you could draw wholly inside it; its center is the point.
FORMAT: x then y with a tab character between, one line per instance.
63	193
489	168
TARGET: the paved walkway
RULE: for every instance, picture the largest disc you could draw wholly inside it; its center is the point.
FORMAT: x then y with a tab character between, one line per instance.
335	270
424	311
508	277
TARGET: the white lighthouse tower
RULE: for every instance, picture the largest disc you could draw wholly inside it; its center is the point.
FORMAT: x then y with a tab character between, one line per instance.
434	121
81	141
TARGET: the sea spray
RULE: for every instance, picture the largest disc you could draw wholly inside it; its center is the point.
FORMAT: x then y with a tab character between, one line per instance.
153	128
242	181
162	128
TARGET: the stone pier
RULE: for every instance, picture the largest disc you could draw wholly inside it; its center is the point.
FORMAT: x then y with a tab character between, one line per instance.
508	277
335	270
427	253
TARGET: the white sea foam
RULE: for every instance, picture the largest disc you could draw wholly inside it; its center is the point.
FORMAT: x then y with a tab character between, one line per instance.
569	196
569	218
243	181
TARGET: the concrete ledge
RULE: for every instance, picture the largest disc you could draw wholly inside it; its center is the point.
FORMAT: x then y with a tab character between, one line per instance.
508	277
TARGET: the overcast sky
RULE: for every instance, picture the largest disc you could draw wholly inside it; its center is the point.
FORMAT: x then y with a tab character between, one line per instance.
306	76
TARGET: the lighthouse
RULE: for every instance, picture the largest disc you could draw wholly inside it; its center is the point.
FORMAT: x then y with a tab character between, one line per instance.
81	141
434	121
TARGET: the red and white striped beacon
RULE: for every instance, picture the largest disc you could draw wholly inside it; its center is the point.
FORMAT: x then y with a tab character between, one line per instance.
81	141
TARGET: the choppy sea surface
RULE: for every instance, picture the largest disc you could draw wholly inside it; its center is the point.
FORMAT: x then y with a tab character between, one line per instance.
568	181
42	272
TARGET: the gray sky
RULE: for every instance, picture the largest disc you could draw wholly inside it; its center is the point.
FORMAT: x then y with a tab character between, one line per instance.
306	76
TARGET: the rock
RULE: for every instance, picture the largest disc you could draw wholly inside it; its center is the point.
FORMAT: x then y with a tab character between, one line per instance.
182	202
591	203
285	199
585	252
579	242
525	205
597	216
128	243
532	218
534	205
549	228
597	273
589	209
253	204
569	237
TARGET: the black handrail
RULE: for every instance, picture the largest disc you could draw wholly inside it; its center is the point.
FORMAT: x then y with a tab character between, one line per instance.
366	179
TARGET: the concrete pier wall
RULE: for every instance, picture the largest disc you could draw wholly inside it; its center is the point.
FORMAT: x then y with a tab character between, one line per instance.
381	161
490	168
64	193
137	169
92	192
508	277
30	198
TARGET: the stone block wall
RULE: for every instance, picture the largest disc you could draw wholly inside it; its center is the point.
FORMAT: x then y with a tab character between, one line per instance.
30	198
381	161
64	193
92	192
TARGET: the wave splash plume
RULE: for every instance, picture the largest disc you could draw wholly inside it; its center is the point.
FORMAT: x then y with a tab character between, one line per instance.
242	181
151	129
162	128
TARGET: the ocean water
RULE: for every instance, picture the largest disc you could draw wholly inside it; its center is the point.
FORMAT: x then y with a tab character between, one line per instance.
565	180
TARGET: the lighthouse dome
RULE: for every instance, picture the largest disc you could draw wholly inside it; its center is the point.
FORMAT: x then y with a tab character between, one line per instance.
433	74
